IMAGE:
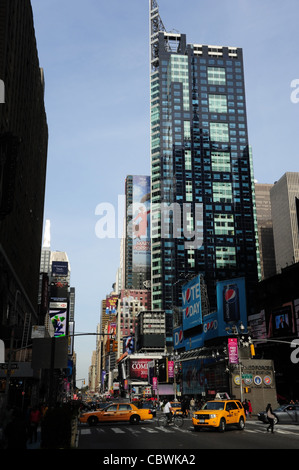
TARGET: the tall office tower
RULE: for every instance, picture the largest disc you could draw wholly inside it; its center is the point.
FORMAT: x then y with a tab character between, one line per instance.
265	229
137	232
45	259
23	160
285	216
202	188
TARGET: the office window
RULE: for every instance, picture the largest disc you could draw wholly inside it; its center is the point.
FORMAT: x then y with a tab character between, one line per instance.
219	132
216	76
217	104
225	256
224	224
222	192
220	161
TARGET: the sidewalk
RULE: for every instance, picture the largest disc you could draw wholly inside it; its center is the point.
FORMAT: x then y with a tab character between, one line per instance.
35	445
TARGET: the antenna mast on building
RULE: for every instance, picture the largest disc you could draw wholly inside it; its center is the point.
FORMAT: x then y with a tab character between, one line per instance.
156	25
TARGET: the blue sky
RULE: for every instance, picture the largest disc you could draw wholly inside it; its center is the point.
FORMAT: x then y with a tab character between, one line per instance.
95	56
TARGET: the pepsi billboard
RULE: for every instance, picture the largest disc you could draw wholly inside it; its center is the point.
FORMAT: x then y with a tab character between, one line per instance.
231	310
192	315
231	303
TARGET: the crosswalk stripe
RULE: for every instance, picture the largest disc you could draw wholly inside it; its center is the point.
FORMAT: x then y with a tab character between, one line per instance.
150	430
165	430
85	431
157	429
118	430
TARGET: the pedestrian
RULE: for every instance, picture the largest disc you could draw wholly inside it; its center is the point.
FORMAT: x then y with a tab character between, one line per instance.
246	407
192	404
184	406
249	408
34	420
168	411
270	417
187	406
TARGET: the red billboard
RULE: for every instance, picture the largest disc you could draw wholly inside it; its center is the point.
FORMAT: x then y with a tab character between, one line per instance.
139	369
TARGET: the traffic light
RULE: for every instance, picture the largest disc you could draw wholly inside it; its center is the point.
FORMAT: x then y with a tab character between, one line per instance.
252	350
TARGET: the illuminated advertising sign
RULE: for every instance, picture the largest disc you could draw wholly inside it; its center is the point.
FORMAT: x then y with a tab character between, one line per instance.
141	257
60	268
59	321
139	369
59	291
192	315
111	303
178	337
231	302
282	321
111	330
170	369
232	310
128	345
233	350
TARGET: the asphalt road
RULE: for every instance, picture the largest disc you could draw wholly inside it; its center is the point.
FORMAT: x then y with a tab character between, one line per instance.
149	436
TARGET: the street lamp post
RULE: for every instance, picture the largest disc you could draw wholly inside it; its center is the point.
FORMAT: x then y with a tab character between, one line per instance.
176	362
158	376
240	342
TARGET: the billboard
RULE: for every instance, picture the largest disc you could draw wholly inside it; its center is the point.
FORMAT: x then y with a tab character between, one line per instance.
111	303
139	369
231	310
128	345
59	291
59	321
233	350
60	268
231	303
282	321
141	243
192	315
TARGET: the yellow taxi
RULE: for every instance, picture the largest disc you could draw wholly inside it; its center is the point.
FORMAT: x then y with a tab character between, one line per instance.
176	407
116	412
220	414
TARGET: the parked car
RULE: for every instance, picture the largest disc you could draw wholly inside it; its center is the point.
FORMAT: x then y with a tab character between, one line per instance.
116	412
285	414
219	414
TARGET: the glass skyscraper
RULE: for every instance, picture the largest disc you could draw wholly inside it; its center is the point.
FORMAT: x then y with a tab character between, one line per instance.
203	218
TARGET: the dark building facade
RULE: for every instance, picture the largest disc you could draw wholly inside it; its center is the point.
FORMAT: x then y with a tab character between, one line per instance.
202	187
275	328
23	159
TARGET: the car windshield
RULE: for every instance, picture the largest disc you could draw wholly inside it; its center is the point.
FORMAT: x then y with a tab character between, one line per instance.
213	405
176	405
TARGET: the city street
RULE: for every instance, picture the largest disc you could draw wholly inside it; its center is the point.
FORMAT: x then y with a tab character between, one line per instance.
149	435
